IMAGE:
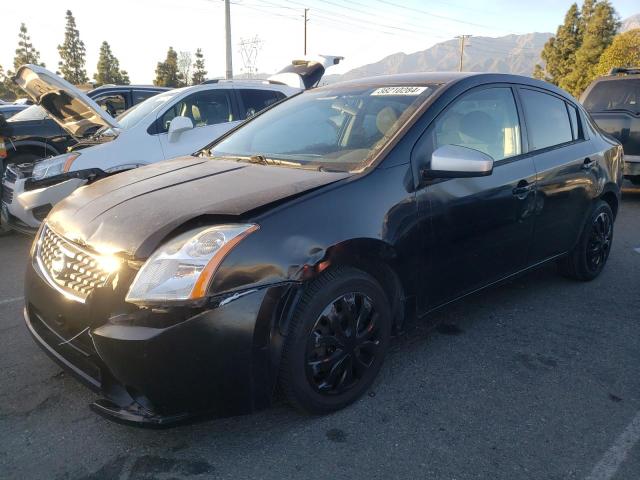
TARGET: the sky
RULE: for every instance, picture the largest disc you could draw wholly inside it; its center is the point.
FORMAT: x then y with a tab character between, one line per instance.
363	31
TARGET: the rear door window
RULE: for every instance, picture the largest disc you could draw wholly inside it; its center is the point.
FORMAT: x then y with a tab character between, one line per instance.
113	103
142	95
614	95
254	100
547	119
203	108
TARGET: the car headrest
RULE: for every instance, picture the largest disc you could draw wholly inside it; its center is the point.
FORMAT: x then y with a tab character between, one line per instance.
385	119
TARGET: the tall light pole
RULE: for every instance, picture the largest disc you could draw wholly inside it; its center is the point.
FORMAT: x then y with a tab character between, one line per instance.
463	39
227	31
305	30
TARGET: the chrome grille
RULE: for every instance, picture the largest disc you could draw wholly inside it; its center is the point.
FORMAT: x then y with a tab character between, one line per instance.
7	194
69	268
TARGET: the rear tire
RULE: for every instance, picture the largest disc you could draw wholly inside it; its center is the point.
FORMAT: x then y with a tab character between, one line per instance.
336	341
588	258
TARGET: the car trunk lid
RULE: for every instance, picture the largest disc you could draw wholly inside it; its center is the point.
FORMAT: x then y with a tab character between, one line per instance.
305	73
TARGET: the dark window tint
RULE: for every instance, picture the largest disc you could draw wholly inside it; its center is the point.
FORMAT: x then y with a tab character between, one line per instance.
547	119
142	95
256	100
113	103
484	120
203	108
575	125
614	95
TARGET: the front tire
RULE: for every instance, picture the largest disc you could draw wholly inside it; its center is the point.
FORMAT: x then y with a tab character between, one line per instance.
336	342
588	258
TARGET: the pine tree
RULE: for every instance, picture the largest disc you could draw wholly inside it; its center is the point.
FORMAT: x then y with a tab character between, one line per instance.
559	51
167	74
199	73
600	24
5	92
72	53
25	53
108	68
624	51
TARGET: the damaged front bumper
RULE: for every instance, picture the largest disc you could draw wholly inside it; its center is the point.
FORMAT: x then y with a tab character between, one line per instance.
220	359
25	205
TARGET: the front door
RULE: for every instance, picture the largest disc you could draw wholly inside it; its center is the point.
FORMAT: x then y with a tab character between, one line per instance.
478	230
211	113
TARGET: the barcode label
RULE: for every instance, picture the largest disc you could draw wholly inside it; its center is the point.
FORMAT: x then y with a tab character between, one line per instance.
412	91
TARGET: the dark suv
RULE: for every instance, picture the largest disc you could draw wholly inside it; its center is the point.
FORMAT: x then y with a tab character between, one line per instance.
31	134
614	103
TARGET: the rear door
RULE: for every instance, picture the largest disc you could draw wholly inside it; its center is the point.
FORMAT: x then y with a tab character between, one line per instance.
567	170
212	113
479	229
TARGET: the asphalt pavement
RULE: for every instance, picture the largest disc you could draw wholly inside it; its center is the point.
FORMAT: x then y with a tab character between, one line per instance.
535	379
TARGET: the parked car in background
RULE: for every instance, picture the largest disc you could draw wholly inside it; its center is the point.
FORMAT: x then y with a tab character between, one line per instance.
34	134
284	253
173	123
614	103
8	110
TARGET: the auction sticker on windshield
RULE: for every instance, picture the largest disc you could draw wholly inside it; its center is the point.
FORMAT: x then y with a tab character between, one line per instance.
398	91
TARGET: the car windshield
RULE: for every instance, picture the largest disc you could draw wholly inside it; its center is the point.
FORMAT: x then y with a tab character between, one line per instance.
339	128
131	117
34	112
614	95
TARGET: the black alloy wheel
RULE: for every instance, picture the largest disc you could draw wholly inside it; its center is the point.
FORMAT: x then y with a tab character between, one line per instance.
599	241
336	342
343	344
589	256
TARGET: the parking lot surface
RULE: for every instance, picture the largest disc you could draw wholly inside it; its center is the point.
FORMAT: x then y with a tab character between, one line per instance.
537	379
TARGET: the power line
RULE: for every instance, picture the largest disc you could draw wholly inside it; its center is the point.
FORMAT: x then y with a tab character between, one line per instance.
442	17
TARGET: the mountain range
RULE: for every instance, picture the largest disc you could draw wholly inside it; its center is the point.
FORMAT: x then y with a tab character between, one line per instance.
508	54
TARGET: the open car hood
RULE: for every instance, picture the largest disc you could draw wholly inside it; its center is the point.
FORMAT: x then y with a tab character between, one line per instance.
305	73
74	111
132	212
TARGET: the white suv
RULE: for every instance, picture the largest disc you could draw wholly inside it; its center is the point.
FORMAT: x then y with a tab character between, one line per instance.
174	123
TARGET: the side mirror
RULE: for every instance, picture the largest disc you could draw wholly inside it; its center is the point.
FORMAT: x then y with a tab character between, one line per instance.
454	161
177	126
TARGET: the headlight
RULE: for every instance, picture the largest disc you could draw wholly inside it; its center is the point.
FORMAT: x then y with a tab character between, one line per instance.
183	268
54	165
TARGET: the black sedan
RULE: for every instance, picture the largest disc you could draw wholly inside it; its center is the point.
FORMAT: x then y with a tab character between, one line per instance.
288	252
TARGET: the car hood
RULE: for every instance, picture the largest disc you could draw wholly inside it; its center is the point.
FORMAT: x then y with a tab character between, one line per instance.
132	212
74	111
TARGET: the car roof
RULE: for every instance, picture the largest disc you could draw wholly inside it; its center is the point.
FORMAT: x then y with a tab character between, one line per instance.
449	78
128	87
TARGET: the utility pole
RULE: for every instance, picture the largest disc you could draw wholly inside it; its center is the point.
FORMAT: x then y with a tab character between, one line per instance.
463	39
305	30
227	31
